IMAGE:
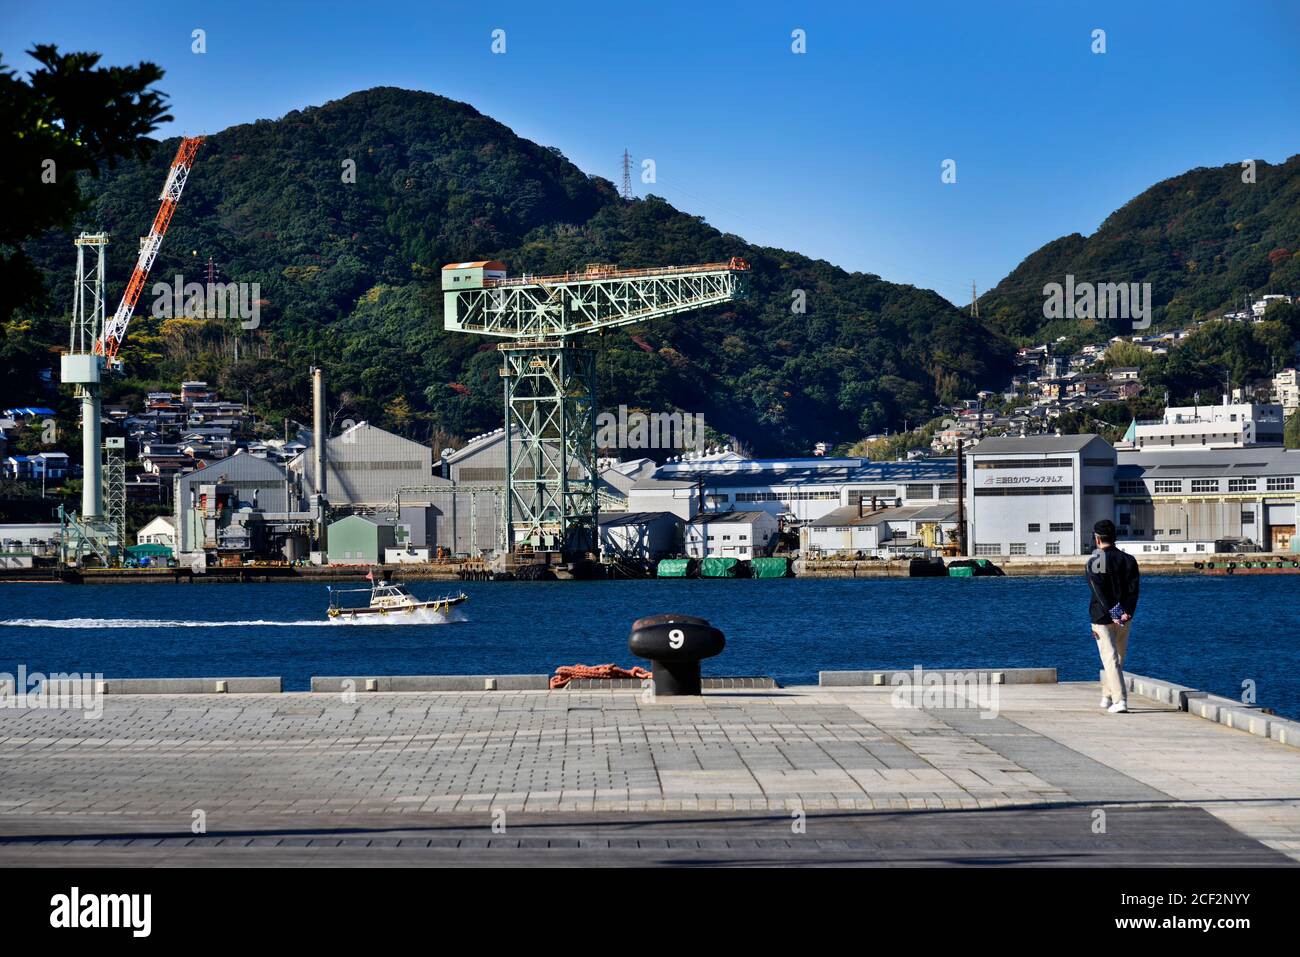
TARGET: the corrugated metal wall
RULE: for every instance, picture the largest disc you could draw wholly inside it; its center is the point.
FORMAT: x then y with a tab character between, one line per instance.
1202	521
367	465
465	521
486	464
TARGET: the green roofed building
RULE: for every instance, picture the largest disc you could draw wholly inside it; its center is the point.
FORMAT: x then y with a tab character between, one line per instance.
358	540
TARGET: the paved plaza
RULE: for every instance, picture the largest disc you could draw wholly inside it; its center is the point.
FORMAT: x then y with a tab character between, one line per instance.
801	775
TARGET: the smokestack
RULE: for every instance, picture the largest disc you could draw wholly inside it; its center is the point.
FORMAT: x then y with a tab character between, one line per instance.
961	497
318	428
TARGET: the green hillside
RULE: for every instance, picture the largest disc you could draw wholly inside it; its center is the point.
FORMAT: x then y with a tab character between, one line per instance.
1203	239
349	273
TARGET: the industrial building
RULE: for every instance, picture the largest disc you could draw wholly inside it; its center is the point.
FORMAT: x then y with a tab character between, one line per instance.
481	461
640	536
742	535
1226	499
360	540
798	491
859	530
239	506
366	465
1038	495
20	542
1231	425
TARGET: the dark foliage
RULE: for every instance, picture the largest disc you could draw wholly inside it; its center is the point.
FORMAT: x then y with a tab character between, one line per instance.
350	275
1204	240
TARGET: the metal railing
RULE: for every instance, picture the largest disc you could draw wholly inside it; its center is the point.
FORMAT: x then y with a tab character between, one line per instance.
735	264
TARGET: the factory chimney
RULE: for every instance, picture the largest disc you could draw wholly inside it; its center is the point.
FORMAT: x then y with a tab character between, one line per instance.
318	428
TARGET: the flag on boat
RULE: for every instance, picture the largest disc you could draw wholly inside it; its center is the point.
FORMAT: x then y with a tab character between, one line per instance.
370	576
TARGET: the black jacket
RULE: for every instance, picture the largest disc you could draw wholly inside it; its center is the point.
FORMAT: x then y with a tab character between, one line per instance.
1112	580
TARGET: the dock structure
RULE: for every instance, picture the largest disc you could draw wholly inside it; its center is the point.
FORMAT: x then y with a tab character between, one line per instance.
835	774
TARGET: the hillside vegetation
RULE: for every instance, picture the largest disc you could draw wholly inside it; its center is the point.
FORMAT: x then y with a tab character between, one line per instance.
1204	240
349	278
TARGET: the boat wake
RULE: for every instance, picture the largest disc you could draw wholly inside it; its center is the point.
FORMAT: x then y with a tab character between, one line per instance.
422	617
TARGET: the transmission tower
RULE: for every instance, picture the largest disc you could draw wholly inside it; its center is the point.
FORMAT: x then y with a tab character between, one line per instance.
627	175
551	498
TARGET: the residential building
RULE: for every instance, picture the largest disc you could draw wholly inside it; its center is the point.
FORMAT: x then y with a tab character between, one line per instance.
1286	390
49	466
160	531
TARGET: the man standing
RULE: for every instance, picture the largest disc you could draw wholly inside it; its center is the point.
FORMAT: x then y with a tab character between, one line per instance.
1113	579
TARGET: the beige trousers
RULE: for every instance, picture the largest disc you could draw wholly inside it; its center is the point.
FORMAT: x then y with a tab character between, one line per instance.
1112	644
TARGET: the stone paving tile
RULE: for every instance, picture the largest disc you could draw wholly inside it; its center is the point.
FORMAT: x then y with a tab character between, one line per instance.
524	752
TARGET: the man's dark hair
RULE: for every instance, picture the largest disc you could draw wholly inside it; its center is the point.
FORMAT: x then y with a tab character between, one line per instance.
1105	530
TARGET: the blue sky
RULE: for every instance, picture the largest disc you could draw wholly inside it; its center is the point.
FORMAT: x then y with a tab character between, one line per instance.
835	152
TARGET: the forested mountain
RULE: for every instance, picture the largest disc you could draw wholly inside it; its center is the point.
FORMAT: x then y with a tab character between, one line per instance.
349	273
1204	240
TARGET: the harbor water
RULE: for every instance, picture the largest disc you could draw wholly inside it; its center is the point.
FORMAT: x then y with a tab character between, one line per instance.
1218	634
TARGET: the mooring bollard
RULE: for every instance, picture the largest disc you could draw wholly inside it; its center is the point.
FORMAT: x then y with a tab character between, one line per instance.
675	644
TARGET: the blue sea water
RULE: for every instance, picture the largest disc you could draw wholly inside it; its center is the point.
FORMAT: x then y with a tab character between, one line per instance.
1212	633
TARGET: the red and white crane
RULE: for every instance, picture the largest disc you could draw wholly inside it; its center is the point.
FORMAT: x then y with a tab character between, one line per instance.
115	329
91	348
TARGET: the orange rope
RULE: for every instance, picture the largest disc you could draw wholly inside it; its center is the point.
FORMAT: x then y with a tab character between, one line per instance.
566	673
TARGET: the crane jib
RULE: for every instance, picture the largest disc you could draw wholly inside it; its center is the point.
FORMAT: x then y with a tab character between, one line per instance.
115	328
549	382
489	303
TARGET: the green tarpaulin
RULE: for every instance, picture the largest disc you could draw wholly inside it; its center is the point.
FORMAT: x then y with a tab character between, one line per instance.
719	567
149	551
674	567
769	567
961	571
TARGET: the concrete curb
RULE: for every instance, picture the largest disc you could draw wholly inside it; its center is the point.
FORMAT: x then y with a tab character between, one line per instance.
1233	714
1164	691
189	686
375	683
885	677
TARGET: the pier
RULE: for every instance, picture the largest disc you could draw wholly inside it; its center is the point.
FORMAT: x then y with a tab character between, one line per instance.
839	773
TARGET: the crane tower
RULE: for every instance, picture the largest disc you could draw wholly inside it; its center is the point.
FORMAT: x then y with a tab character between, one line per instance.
93	345
551	500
